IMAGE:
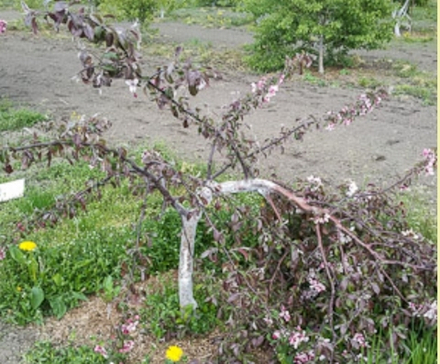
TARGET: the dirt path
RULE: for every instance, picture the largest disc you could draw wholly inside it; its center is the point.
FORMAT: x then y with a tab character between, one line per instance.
37	71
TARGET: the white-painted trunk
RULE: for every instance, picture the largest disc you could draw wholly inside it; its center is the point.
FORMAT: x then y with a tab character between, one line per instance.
321	55
397	29
187	241
162	13
400	15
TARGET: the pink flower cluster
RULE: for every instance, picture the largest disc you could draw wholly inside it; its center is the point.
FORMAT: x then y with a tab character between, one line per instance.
430	161
130	325
127	328
295	337
127	346
321	219
363	106
3	24
100	350
284	314
429	310
302	358
132	84
358	340
2	253
261	85
316	286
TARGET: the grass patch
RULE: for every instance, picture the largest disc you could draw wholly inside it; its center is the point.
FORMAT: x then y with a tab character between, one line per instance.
421	348
423	93
204	54
164	317
45	352
211	17
15	119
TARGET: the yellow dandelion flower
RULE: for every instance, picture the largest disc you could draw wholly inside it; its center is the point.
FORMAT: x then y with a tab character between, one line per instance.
174	353
19	289
27	246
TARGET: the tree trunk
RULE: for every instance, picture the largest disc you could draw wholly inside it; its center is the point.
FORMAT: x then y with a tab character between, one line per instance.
190	221
187	240
399	15
397	29
321	55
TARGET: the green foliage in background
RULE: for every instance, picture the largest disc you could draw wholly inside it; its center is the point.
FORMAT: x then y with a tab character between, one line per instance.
142	10
286	27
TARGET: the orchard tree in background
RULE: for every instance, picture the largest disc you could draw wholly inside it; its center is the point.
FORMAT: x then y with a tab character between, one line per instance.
328	28
141	10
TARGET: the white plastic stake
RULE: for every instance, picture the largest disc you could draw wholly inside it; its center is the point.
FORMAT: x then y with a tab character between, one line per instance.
11	190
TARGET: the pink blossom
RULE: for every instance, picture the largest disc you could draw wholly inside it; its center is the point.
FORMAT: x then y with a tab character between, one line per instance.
128	346
276	335
404	187
281	79
273	89
330	127
316	285
129	327
268	320
321	219
261	83
359	340
284	314
99	349
132	84
2	254
352	189
3	24
347	121
431	313
303	358
297	337
431	161
315	182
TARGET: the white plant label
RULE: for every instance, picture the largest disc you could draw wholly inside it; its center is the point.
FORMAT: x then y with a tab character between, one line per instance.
11	190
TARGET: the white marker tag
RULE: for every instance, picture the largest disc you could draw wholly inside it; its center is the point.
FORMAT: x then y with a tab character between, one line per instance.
11	190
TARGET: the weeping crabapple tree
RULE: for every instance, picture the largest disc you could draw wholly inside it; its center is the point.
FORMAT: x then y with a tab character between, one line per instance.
340	264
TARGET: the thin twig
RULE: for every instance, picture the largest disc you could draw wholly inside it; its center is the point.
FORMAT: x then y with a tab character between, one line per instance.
330	281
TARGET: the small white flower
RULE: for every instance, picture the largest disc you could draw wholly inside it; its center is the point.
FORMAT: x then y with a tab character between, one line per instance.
352	189
132	84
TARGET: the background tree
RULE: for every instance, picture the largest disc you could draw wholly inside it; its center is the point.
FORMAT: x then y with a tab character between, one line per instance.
329	28
142	10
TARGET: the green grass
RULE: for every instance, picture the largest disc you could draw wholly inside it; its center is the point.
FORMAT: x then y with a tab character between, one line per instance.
73	257
420	343
423	93
162	314
15	119
45	352
210	17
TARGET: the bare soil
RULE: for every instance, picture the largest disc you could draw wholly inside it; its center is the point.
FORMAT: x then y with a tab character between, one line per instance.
37	71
